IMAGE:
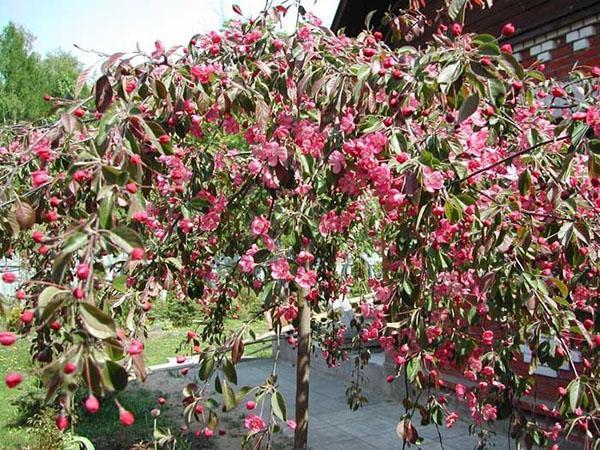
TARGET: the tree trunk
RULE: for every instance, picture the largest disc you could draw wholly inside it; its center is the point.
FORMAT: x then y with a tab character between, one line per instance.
302	374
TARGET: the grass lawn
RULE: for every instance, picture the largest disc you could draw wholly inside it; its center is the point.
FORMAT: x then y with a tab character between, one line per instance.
13	358
162	344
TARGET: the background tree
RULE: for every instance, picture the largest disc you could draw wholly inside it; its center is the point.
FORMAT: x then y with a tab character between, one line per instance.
26	77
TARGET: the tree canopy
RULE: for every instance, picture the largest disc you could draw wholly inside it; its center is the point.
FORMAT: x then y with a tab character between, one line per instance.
253	159
26	77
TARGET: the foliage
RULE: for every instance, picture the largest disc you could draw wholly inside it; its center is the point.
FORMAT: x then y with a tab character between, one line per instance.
251	159
173	311
25	77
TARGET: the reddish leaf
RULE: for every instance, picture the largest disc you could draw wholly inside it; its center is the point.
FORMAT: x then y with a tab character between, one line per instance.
104	94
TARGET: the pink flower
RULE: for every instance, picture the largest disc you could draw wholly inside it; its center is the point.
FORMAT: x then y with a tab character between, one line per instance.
7	338
159	50
136	347
260	226
306	278
432	180
329	223
508	30
83	271
203	72
247	264
488	337
137	254
291	424
337	161
9	277
13	379
489	412
304	257
39	177
280	270
254	423
451	418
460	390
593	119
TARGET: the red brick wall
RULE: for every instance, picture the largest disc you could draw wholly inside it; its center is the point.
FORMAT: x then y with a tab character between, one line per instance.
568	50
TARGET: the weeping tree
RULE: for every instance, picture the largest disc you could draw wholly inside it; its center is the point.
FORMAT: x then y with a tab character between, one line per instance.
258	160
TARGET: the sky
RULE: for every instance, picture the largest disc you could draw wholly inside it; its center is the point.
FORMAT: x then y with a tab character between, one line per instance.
111	26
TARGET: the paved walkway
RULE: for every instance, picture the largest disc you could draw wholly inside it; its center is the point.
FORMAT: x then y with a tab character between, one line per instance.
334	426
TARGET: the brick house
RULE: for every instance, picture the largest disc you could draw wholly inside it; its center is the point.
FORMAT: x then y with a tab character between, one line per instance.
557	33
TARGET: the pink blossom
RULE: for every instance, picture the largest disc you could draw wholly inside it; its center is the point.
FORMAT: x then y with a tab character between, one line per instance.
337	161
254	423
306	278
260	226
9	277
488	337
247	264
159	50
304	257
451	418
203	72
280	270
136	347
329	223
460	390
432	180
288	311
593	119
273	153
489	412
39	177
347	123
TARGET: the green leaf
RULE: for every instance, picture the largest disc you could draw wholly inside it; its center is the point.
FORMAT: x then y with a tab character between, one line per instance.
112	175
468	107
261	255
412	368
484	38
47	311
47	295
242	392
125	238
456	9
105	210
524	182
452	210
75	242
497	91
206	367
565	233
511	65
228	395
578	134
61	263
562	287
229	371
116	375
450	74
97	322
574	389
490	49
120	283
278	406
